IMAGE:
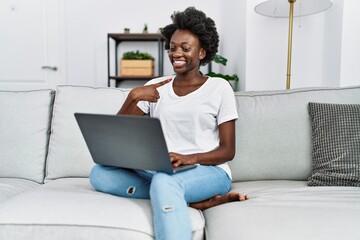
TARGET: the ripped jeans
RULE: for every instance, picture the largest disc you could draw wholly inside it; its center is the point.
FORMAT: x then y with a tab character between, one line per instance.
169	194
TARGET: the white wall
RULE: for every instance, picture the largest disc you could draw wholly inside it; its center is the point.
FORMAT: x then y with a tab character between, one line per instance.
332	41
233	39
89	21
325	47
350	54
266	56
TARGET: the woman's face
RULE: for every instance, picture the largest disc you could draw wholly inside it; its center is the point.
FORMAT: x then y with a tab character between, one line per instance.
185	51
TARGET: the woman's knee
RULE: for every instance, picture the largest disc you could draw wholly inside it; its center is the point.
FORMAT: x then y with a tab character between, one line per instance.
96	176
162	182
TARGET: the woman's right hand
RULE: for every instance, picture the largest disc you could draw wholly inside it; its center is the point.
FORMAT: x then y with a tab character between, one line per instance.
149	92
144	93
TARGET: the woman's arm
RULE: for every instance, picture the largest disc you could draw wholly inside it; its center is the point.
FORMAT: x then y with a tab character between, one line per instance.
130	105
225	152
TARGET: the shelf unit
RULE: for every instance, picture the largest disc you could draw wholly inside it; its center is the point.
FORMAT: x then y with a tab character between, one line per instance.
134	37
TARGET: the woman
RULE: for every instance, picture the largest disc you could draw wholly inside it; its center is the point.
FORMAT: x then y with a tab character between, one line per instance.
197	114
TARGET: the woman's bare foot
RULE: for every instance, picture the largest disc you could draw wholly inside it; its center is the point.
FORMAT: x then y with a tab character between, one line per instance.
218	200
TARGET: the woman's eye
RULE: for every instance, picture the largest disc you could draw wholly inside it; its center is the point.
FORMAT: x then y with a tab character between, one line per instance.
184	49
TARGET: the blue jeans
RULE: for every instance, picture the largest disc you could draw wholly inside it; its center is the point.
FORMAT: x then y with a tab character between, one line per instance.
169	194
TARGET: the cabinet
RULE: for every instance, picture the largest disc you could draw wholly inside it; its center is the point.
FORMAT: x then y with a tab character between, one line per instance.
118	38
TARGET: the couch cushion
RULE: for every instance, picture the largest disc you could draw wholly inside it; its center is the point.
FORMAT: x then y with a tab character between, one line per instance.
11	186
283	210
24	132
71	209
336	144
68	154
273	132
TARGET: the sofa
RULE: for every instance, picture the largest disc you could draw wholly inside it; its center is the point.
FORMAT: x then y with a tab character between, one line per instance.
44	167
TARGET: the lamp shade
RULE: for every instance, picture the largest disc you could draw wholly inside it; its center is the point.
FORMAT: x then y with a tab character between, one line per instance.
280	8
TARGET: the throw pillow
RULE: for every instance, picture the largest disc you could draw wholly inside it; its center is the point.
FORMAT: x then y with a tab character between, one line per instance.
336	144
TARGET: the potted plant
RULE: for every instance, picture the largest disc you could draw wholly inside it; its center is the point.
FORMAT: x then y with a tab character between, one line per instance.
233	79
137	64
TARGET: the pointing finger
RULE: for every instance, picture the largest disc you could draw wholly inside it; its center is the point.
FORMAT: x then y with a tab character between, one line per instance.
159	84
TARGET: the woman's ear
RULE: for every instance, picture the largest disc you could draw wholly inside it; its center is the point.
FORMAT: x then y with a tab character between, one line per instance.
202	54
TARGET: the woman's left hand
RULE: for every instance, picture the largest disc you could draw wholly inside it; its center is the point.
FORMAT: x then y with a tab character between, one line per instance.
180	159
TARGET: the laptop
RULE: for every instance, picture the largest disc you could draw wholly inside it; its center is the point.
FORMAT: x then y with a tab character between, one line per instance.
125	141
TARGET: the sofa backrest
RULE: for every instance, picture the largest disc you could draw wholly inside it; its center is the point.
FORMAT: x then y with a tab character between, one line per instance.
273	132
68	154
24	133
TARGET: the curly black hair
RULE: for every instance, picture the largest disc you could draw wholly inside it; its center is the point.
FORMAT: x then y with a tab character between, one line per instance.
199	24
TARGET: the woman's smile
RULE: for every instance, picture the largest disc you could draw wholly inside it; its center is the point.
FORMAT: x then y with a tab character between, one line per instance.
179	63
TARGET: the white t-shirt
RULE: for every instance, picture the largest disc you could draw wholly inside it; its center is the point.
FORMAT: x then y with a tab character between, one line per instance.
190	123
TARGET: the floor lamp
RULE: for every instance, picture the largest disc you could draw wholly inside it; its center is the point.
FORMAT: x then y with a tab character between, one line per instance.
291	9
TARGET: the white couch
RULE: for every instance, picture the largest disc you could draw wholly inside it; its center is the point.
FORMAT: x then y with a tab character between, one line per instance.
44	166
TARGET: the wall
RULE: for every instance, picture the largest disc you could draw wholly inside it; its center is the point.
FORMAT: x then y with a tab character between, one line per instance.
87	28
350	54
267	43
332	40
325	47
234	39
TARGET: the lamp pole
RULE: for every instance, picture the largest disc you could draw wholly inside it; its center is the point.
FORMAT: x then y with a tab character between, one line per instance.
291	16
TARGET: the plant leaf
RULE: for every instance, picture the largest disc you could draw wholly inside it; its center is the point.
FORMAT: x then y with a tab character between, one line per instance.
227	77
220	59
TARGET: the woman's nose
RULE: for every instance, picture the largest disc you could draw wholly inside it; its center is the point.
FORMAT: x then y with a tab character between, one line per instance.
177	53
